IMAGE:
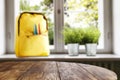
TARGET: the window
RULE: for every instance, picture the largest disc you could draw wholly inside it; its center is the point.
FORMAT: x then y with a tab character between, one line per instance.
81	13
67	12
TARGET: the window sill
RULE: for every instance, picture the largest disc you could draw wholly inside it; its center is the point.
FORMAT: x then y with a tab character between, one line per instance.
64	57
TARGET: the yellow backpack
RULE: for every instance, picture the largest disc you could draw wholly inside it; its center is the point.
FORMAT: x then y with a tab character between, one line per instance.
31	35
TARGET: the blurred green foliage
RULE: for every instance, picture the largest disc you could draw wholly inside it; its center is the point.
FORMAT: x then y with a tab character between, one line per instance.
73	35
91	11
81	35
25	6
87	11
91	35
51	35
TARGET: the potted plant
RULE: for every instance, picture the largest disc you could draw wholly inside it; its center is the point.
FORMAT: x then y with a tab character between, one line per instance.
90	39
72	37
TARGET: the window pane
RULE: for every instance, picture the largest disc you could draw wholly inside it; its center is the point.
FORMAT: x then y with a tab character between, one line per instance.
42	6
80	13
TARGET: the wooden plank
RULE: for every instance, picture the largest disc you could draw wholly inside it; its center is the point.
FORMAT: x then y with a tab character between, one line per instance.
42	70
6	65
71	71
99	72
13	72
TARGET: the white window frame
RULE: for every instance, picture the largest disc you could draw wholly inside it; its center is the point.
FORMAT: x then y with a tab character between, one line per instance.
105	21
105	13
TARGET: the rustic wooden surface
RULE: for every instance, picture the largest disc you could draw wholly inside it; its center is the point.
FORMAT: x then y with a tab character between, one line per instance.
51	70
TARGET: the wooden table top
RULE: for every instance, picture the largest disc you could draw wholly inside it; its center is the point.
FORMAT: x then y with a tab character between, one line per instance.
51	70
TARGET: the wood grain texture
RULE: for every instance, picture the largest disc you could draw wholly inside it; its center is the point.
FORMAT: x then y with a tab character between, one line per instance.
42	71
51	70
71	71
14	70
99	72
